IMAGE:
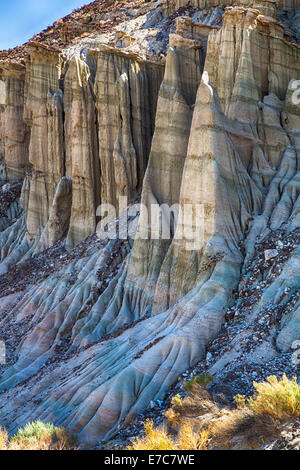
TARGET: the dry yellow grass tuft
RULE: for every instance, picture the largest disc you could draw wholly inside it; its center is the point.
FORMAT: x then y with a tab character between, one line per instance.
158	439
3	439
189	439
155	439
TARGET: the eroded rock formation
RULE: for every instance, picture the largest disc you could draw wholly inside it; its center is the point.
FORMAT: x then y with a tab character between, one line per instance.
195	104
14	132
90	111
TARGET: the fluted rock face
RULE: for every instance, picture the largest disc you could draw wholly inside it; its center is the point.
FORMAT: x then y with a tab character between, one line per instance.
162	182
59	215
247	79
266	7
222	134
124	87
14	132
82	160
94	124
43	113
2	120
112	95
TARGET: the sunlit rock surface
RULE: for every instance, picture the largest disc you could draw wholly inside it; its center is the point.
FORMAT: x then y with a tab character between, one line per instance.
194	104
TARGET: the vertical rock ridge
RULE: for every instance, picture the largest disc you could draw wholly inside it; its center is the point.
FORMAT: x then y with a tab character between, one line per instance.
43	112
112	328
163	177
15	135
81	150
124	88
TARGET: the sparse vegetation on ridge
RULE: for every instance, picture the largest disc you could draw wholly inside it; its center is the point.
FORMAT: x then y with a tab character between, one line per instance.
198	422
179	121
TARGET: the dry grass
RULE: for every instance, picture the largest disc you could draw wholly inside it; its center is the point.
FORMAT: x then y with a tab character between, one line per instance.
155	439
38	436
189	439
3	439
243	429
278	398
197	422
158	439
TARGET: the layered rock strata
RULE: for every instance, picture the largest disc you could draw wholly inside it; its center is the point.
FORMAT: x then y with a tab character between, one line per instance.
13	130
44	115
266	7
112	328
64	114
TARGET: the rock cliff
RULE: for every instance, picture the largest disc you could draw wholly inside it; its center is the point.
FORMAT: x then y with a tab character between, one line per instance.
194	107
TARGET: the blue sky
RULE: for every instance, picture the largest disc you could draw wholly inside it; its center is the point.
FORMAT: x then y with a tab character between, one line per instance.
21	19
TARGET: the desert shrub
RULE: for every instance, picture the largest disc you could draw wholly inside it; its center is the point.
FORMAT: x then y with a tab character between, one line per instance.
176	400
172	415
34	432
203	380
278	398
39	436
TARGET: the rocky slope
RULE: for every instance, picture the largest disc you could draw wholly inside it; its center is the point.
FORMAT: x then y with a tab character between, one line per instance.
193	103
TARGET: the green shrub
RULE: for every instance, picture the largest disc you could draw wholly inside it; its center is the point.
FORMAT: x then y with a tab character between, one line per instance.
202	380
41	436
34	432
278	398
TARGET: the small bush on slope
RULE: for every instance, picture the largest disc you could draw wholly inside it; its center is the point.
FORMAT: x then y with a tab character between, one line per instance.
279	398
203	380
177	400
198	422
38	436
